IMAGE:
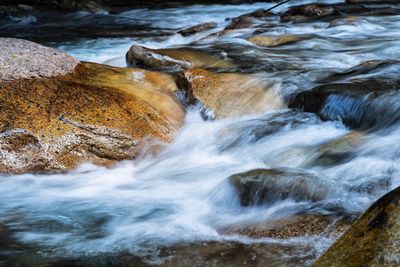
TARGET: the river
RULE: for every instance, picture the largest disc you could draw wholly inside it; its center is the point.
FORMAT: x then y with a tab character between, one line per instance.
182	195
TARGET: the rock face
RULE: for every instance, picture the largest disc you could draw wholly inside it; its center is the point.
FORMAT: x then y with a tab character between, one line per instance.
373	240
173	59
16	60
228	94
360	105
198	28
270	41
261	186
96	114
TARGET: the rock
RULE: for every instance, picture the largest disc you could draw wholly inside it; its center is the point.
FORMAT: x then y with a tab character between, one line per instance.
373	240
270	41
362	68
294	226
173	59
247	20
234	254
252	130
308	12
362	104
228	94
198	28
16	60
262	186
338	150
96	113
326	12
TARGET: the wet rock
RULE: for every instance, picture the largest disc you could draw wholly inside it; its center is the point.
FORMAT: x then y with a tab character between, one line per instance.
307	12
16	60
252	130
363	104
338	150
228	94
247	20
174	59
265	186
375	184
373	240
198	28
270	41
294	226
95	113
238	254
327	12
362	68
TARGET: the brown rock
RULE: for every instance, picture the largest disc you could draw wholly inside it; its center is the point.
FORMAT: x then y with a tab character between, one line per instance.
228	94
174	59
293	226
198	28
96	114
273	40
373	240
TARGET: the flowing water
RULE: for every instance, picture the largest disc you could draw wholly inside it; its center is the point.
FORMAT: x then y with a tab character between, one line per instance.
182	195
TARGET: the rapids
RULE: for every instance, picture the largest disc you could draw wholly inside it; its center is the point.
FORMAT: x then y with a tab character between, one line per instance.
182	195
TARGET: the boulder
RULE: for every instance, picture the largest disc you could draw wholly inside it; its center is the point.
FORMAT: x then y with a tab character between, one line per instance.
95	113
270	41
198	28
228	94
20	59
362	104
373	240
265	186
173	59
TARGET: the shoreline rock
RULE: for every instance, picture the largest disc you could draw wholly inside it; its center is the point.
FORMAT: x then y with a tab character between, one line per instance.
97	113
373	240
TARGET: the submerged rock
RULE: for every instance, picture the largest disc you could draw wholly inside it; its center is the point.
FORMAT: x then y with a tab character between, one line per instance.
265	186
373	240
360	105
173	59
198	28
95	113
252	130
238	254
269	41
228	94
338	150
362	68
294	226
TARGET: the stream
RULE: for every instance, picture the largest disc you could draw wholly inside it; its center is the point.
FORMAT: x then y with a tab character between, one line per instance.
182	197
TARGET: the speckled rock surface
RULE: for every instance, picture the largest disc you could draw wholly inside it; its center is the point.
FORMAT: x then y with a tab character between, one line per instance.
24	59
98	114
373	240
